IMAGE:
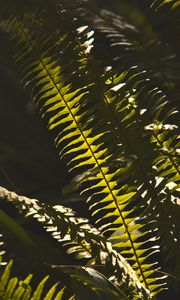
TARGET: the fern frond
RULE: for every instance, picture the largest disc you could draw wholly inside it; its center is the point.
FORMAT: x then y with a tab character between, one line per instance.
161	169
97	282
159	3
115	125
12	288
81	238
147	106
91	138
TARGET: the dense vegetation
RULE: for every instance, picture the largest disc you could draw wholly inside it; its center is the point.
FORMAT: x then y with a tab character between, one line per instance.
104	78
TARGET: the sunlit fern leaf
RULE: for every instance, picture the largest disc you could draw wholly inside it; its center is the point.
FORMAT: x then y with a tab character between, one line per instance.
165	172
60	294
81	238
70	114
95	134
159	3
11	288
147	103
163	145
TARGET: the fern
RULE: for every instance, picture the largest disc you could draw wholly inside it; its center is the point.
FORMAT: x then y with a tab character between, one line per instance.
149	105
81	238
13	288
89	148
112	124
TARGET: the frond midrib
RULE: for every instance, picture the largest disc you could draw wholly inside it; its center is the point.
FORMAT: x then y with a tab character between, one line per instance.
92	153
46	214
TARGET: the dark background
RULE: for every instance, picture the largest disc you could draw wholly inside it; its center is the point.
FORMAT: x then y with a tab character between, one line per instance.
29	161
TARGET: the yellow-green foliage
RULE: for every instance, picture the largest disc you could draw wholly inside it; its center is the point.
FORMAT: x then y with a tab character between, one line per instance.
109	122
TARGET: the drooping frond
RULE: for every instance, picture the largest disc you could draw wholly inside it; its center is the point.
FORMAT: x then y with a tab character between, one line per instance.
97	127
81	238
83	283
12	288
113	124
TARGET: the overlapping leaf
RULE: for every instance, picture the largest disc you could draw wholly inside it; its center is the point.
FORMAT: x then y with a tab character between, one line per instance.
80	237
105	122
150	92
